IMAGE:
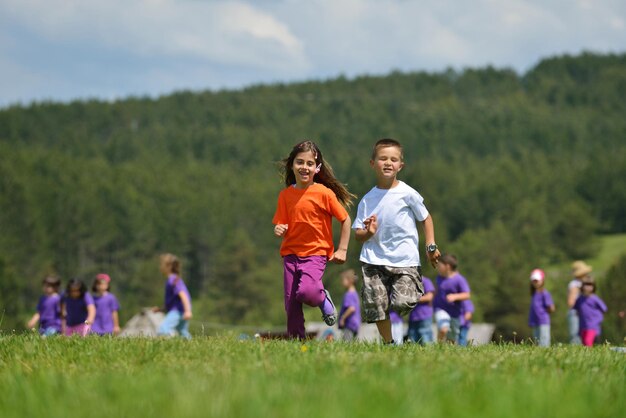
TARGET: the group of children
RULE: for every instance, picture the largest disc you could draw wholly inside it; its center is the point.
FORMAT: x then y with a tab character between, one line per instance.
586	308
392	282
78	312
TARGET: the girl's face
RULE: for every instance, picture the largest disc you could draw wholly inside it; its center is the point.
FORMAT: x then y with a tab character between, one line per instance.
102	286
48	290
74	292
388	162
587	289
304	166
164	268
537	284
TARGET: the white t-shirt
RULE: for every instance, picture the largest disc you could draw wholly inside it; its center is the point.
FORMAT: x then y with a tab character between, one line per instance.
396	242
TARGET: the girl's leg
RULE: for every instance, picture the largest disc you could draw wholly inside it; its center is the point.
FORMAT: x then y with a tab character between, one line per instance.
588	336
310	290
544	335
293	308
168	326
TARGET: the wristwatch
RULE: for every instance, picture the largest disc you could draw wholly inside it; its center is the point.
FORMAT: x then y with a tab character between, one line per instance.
431	248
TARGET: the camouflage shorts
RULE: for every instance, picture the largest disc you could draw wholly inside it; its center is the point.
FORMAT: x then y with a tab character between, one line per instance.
384	288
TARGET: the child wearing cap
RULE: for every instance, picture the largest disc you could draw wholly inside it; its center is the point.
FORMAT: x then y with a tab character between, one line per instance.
48	309
350	314
591	310
107	318
541	306
580	270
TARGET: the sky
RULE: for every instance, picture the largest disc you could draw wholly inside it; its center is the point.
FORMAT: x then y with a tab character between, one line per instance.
63	50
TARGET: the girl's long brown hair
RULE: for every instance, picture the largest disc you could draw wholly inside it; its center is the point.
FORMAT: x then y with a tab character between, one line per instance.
326	176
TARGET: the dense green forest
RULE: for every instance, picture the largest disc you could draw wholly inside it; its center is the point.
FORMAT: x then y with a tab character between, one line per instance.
518	171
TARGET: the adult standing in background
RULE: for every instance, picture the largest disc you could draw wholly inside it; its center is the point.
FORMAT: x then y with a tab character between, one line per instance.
580	270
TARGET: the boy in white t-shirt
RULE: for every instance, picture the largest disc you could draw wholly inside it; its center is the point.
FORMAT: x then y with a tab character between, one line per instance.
386	224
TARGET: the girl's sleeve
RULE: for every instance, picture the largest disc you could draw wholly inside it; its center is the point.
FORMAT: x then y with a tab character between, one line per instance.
547	299
335	208
39	304
280	216
115	306
89	299
601	305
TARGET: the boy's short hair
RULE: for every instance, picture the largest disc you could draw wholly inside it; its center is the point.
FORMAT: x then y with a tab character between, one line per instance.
449	260
350	275
52	281
385	143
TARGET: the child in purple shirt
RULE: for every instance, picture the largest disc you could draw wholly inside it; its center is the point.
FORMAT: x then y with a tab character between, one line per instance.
421	317
452	289
48	309
591	310
541	306
78	309
177	299
350	313
467	312
107	319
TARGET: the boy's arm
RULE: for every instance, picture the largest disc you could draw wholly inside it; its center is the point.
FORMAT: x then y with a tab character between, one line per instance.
427	297
186	305
457	297
346	315
33	321
339	257
371	226
429	236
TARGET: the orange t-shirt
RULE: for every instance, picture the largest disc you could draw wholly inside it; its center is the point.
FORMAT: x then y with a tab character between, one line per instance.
309	213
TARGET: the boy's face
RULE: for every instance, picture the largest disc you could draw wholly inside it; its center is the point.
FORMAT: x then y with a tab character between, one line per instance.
48	290
387	163
442	269
346	282
304	166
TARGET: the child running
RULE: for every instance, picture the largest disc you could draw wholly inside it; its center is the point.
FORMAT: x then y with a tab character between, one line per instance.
591	310
541	306
177	299
78	309
107	320
48	309
350	314
467	313
452	289
421	318
303	219
386	224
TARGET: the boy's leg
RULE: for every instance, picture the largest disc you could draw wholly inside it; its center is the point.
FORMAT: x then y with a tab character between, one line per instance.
426	331
375	300
293	308
167	327
406	288
463	336
183	329
455	330
414	332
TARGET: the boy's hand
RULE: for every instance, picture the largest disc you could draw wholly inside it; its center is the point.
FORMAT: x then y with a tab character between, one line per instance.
280	229
434	257
187	316
339	257
468	316
371	224
451	298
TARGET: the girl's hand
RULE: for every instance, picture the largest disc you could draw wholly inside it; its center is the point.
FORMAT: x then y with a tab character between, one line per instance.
342	323
451	298
280	229
116	330
468	316
339	257
187	315
31	324
371	224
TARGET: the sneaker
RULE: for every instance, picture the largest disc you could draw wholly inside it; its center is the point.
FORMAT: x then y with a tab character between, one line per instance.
329	319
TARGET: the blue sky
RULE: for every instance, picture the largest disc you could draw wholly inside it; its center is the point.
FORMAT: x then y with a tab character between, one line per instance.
67	49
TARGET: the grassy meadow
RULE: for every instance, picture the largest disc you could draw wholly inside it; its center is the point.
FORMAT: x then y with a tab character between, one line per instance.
221	376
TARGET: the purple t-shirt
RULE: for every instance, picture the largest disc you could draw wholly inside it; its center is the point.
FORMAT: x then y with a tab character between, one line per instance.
105	306
49	309
76	309
466	306
423	310
591	311
539	304
351	299
394	317
173	287
446	286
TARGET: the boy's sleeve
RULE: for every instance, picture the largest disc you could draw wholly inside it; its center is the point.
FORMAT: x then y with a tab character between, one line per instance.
577	303
280	216
335	208
428	286
360	216
416	203
468	305
463	286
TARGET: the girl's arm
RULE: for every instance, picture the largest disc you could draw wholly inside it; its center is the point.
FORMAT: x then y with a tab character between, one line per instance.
427	297
551	308
116	322
63	318
429	236
339	257
346	315
186	305
33	321
91	314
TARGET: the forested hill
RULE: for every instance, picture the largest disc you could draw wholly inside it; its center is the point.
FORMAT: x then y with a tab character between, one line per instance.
518	171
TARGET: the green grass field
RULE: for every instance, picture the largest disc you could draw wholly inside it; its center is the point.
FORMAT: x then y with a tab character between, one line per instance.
220	376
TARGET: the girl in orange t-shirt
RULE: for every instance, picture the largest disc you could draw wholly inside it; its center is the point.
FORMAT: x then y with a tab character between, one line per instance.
303	219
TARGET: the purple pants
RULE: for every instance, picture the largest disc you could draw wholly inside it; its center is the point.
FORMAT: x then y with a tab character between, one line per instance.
303	284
